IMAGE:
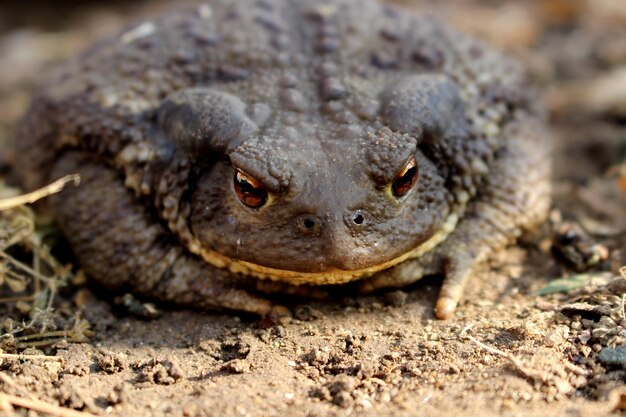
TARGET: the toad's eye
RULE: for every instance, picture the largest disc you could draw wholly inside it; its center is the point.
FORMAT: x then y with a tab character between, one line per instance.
249	190
406	178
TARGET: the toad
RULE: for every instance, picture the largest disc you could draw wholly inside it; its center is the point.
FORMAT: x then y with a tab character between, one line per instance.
241	148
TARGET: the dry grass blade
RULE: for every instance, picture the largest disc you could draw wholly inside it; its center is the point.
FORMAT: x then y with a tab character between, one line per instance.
55	187
41	406
79	333
10	382
31	357
532	374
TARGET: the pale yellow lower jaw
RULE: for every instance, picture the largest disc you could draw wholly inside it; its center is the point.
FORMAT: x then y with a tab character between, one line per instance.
331	276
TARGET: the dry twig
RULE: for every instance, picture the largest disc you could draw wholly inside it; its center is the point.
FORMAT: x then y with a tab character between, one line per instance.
7	401
31	357
529	373
55	187
41	406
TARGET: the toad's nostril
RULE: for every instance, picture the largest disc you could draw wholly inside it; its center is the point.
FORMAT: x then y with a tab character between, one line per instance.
356	220
308	225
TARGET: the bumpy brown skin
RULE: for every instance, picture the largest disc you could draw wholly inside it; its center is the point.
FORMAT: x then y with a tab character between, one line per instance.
322	103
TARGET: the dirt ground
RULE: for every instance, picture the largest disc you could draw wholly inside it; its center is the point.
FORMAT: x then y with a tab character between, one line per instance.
509	351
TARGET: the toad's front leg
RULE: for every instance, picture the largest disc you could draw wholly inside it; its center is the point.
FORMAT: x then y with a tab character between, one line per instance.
122	245
514	198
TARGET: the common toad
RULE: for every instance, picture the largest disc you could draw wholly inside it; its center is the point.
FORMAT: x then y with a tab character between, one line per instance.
244	147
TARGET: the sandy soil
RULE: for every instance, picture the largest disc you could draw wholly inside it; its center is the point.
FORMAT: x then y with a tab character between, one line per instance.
507	352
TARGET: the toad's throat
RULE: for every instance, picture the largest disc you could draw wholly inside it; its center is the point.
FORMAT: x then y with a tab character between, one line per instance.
330	276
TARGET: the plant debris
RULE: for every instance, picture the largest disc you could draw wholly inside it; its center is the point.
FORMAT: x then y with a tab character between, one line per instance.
30	277
563	285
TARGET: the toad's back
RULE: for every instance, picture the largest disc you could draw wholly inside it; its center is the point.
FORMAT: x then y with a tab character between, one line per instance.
359	136
293	61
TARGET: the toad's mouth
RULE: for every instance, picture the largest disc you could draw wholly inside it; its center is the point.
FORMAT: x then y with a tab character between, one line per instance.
328	277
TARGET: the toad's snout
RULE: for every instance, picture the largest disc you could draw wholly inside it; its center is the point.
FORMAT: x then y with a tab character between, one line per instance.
312	225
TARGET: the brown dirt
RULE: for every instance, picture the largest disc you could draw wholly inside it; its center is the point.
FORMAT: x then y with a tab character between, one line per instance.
386	354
